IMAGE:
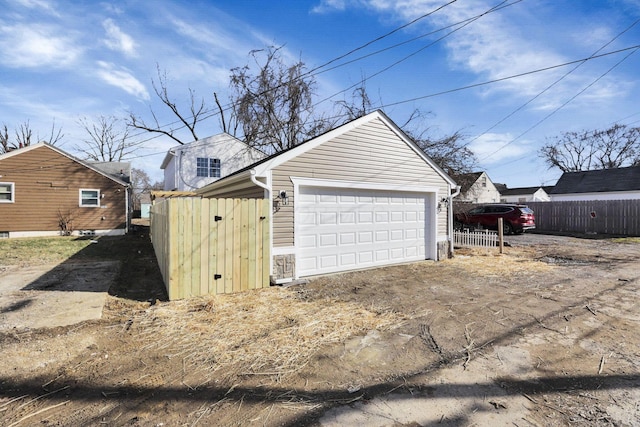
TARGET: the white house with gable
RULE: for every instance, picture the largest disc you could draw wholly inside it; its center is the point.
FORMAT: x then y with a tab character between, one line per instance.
191	166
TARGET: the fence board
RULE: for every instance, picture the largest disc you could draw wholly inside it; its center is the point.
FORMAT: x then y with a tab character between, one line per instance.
211	246
615	217
204	247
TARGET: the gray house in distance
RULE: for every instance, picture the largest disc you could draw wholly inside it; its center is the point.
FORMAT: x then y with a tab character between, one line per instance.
602	184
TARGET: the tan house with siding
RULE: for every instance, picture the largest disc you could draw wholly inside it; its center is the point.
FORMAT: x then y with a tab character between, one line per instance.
45	191
362	195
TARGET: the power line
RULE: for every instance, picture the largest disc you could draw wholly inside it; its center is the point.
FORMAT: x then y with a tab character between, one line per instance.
565	103
578	65
513	76
472	86
314	71
415	52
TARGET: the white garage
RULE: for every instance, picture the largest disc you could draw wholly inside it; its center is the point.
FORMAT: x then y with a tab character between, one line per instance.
361	195
339	229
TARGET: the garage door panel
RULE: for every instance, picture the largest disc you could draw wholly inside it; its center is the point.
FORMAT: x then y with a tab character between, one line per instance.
397	234
348	259
382	236
365	257
343	229
365	237
328	261
347	217
397	253
308	241
307	218
382	255
327	240
328	218
347	238
397	216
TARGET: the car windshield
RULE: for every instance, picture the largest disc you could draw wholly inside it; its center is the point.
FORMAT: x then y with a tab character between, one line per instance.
526	210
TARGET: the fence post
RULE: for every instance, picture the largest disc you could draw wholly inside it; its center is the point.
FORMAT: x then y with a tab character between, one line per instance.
501	234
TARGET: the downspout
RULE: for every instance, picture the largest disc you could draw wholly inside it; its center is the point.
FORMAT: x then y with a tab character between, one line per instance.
126	207
252	176
457	188
267	188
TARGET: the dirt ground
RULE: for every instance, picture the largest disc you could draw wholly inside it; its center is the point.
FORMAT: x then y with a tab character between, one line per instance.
547	334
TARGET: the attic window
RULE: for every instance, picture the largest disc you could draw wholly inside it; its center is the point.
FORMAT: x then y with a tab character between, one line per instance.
89	198
207	167
7	194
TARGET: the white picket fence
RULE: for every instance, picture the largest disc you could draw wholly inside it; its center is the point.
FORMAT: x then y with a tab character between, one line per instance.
475	239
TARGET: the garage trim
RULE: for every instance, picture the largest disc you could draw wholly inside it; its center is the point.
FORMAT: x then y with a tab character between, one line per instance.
431	193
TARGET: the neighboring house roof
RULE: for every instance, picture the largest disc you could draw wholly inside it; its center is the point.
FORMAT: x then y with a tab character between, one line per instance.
119	170
524	190
500	187
260	167
466	180
599	181
89	165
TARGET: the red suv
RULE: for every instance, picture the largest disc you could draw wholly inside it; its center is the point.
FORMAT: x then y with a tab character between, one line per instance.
515	218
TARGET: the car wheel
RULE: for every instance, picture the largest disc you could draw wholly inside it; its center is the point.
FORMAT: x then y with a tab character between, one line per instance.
507	228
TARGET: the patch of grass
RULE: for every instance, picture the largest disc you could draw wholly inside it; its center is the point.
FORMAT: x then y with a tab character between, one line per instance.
43	250
626	240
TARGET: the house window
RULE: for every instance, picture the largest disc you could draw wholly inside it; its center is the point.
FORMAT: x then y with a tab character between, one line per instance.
7	194
209	168
89	198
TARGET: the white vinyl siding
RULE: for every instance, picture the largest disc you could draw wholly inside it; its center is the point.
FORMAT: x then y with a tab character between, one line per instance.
371	153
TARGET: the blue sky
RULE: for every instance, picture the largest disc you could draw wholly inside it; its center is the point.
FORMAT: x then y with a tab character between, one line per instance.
64	60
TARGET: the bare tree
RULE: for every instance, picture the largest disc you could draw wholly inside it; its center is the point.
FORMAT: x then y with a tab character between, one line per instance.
449	152
615	147
197	112
23	136
140	184
359	105
108	139
272	109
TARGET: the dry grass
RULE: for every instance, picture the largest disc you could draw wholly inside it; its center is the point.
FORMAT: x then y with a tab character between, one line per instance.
270	332
491	263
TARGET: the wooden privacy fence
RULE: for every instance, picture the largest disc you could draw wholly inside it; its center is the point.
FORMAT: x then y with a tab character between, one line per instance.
211	246
616	217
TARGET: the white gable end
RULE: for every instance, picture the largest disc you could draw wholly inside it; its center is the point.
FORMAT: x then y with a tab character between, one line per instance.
220	155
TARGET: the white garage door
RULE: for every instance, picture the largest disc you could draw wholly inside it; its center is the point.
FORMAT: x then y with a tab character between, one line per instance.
340	229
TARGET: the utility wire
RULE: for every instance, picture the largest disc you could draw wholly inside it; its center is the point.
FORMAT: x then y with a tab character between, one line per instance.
475	85
314	71
513	76
578	65
564	104
413	54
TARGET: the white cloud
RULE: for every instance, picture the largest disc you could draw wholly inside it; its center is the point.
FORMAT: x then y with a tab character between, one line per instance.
33	45
509	42
491	148
327	6
118	40
123	79
38	4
